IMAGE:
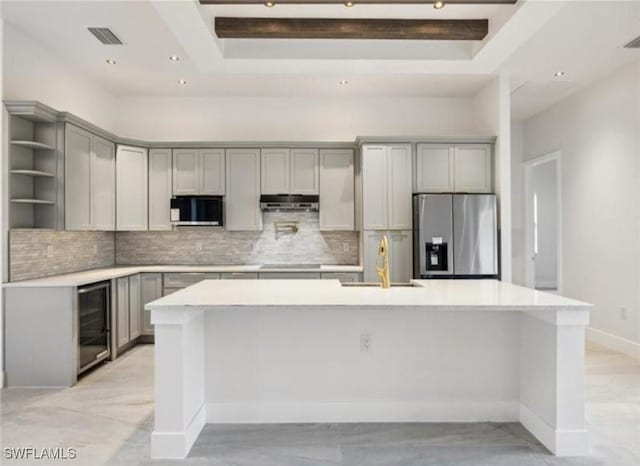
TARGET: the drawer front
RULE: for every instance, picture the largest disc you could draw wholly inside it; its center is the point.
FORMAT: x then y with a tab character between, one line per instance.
289	275
239	275
344	277
182	280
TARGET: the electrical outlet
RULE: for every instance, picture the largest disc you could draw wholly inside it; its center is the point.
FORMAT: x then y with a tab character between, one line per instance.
199	246
623	313
49	251
365	342
346	247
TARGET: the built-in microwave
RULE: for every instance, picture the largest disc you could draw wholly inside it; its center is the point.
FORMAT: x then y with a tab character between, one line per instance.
197	210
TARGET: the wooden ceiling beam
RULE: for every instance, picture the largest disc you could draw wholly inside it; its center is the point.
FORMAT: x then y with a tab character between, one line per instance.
333	28
371	2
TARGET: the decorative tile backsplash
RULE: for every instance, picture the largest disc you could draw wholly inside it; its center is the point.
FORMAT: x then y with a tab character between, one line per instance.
211	245
41	253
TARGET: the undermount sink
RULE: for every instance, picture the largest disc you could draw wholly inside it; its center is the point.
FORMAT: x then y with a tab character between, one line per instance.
372	285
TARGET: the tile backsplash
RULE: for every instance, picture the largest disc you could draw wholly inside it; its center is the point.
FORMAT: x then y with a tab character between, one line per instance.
41	253
211	245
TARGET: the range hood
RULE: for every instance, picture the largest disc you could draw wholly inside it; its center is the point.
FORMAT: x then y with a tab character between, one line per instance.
289	203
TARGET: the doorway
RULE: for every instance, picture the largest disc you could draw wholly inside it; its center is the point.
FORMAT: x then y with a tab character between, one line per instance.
543	223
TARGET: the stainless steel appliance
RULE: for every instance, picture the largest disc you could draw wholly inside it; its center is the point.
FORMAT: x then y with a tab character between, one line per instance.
197	210
455	236
289	203
94	316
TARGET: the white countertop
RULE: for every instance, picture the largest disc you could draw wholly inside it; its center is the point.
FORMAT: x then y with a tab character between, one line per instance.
434	294
109	273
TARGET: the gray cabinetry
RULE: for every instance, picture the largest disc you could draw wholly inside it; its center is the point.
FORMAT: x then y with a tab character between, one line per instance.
198	171
289	171
175	281
132	188
239	275
128	310
90	181
305	171
344	277
159	189
242	202
289	275
150	290
336	189
122	311
275	171
135	307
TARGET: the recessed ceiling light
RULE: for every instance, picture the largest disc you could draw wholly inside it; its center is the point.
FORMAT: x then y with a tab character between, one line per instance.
174	58
349	4
182	81
269	4
111	62
559	74
438	5
343	82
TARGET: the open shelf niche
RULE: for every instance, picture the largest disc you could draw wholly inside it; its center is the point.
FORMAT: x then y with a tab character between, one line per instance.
34	168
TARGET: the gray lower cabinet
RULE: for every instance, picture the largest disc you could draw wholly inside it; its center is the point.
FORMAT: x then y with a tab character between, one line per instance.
150	290
289	275
344	277
128	311
175	281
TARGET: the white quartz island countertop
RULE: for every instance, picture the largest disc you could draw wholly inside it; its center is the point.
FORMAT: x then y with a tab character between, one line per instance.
295	351
445	294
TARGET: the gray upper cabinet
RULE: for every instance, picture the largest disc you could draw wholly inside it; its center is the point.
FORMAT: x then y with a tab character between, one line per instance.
275	171
159	189
337	189
198	171
90	184
386	187
305	171
453	168
132	188
290	171
472	168
242	201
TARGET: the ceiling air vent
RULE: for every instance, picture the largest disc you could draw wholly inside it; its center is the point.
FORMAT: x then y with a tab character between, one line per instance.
106	36
634	44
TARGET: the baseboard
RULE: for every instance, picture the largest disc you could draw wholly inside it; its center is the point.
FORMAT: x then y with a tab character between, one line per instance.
559	442
176	445
614	342
358	411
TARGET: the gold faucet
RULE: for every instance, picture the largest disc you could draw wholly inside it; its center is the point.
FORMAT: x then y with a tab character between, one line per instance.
383	272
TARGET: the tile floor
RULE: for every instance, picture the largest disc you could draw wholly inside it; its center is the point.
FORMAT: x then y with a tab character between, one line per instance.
108	417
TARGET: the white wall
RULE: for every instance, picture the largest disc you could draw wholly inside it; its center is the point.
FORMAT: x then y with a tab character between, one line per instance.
597	132
32	72
293	118
492	108
517	204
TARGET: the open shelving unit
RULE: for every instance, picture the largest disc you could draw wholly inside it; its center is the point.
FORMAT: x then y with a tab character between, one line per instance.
34	167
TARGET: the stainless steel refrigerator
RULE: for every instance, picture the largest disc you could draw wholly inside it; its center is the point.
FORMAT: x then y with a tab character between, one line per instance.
455	236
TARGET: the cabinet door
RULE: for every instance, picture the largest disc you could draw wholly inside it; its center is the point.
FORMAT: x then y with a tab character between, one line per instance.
400	256
239	275
77	174
135	307
344	277
122	311
289	275
103	185
150	290
131	195
434	168
242	201
336	189
275	171
399	190
212	172
375	200
370	255
159	189
472	168
304	171
185	171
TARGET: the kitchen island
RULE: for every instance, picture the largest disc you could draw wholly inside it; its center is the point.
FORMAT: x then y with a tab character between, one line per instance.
248	351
